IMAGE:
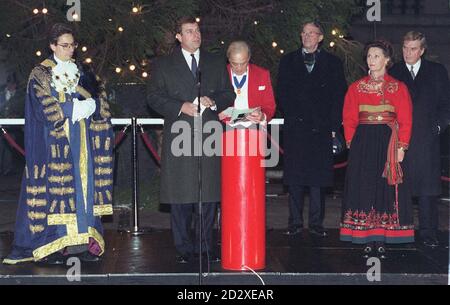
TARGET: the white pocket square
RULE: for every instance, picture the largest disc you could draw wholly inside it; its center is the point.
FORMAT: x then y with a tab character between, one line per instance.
261	88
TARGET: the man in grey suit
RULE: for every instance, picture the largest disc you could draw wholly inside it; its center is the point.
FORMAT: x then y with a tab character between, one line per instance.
174	88
428	85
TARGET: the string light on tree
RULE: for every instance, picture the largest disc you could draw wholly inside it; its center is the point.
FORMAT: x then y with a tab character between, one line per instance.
38	53
282	51
255	22
88	60
144	74
274	44
332	44
118	70
120	29
35	11
84	49
334	32
44	11
135	10
8	35
197	19
132	67
341	36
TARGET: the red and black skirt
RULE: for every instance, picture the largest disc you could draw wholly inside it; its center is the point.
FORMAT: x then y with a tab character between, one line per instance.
369	209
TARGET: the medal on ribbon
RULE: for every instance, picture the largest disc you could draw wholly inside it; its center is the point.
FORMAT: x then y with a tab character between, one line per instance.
239	84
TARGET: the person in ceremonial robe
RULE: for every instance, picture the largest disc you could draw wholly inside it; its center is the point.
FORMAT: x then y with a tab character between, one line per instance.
67	184
377	119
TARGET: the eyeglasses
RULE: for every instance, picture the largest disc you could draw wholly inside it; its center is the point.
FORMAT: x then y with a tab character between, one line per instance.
66	46
311	33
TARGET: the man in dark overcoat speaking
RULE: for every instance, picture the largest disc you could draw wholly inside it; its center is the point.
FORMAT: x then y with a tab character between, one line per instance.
173	93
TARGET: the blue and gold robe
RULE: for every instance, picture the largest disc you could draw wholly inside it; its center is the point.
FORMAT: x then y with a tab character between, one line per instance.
67	184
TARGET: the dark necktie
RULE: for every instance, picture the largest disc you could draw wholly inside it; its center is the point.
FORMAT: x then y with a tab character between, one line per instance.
309	59
413	75
194	66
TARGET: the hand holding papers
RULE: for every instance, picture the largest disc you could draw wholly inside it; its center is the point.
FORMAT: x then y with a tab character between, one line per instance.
243	117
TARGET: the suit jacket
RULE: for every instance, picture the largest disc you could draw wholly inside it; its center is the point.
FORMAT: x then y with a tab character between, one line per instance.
171	85
312	107
431	108
260	91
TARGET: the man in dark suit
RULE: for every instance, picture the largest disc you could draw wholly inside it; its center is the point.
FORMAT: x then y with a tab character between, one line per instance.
428	85
252	84
173	93
311	89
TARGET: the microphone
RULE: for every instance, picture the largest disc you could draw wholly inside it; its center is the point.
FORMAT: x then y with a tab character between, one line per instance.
199	84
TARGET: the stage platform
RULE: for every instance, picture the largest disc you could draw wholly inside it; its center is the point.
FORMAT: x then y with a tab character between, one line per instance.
302	259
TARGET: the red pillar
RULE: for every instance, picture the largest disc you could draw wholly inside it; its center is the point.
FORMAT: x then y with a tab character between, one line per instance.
243	200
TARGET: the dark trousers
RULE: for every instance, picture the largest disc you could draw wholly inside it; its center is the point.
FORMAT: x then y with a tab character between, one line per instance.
316	206
181	223
428	216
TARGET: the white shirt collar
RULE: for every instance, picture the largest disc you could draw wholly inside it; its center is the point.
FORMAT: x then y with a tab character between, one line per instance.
239	77
416	66
188	58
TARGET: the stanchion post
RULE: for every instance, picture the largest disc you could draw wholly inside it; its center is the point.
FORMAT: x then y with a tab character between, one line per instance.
135	231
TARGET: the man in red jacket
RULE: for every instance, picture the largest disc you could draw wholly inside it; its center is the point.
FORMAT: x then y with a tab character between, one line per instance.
251	83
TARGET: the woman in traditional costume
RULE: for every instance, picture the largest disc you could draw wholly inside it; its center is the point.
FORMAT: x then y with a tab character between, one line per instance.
67	184
377	118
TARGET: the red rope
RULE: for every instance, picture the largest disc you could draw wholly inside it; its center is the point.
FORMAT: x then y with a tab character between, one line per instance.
12	142
340	165
150	147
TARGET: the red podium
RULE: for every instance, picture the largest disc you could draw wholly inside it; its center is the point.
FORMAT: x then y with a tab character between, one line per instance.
243	200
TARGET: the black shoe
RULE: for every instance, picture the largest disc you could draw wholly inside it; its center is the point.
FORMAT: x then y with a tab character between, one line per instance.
182	259
88	257
368	251
381	252
53	259
318	231
293	231
431	242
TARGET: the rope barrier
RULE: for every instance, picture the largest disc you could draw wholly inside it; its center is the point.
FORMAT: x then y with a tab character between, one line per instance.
119	137
149	145
12	142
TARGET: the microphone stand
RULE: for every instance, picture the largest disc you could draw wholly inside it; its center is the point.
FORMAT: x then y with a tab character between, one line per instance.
198	119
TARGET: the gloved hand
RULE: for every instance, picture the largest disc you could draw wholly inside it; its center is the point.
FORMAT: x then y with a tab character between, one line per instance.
91	106
82	109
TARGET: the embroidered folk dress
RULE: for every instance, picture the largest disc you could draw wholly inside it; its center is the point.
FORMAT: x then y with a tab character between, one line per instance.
67	184
376	204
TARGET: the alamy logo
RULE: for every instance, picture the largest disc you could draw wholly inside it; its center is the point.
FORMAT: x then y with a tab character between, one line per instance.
74	12
374	12
374	272
73	274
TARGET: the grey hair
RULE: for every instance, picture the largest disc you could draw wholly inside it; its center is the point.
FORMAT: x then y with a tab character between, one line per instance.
238	46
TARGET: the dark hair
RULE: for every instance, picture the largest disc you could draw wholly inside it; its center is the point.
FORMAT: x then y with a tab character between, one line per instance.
183	20
57	30
385	46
